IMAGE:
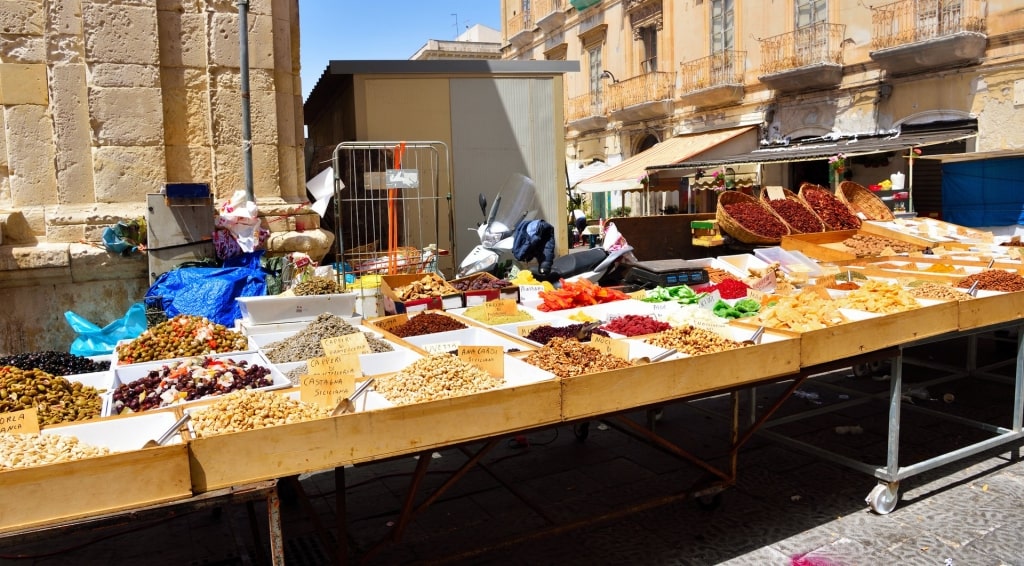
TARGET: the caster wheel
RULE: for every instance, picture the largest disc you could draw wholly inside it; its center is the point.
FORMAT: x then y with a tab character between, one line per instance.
883	498
709	502
581	431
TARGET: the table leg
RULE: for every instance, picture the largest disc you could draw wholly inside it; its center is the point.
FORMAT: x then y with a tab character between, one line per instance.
274	519
341	514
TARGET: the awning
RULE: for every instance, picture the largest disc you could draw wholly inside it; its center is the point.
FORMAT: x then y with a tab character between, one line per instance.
824	149
974	156
625	176
577	174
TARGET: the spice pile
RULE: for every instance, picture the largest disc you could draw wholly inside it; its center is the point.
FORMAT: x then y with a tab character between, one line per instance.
729	289
756	219
306	344
798	216
479	313
832	211
865	245
928	290
879	297
427	323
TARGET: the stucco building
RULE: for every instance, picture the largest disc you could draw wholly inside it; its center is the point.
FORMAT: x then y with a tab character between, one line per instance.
827	72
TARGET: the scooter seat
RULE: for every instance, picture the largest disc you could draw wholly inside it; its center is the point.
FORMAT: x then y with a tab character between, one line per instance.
572	264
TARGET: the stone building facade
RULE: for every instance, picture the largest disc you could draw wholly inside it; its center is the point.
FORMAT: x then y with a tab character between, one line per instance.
105	101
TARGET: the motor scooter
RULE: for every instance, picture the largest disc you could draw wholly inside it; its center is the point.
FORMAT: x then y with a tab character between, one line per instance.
494	252
594	264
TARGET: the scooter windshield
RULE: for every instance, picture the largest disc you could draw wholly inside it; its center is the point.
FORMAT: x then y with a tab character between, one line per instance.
518	201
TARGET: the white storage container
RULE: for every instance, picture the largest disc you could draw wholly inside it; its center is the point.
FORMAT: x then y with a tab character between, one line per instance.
273	309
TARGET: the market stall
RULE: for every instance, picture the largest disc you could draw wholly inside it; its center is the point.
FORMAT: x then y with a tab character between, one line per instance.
518	365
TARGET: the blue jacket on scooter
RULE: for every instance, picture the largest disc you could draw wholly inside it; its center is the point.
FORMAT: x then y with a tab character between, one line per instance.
535	239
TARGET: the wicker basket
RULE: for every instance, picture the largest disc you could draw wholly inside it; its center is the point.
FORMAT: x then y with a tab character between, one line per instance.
811	186
862	200
729	225
790	195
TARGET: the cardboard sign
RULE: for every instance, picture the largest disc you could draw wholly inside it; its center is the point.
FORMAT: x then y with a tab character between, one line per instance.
20	422
775	193
526	329
720	329
617	348
346	344
756	295
330	380
390	323
488	358
441	347
639	295
499	308
529	292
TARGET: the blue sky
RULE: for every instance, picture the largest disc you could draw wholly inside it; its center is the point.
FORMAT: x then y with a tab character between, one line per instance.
381	29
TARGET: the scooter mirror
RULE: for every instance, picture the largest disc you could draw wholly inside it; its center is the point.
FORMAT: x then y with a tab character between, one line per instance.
483	204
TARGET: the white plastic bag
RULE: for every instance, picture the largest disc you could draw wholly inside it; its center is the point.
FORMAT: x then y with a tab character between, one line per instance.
240	217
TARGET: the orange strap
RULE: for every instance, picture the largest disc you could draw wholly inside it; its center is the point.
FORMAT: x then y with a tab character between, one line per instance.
393	216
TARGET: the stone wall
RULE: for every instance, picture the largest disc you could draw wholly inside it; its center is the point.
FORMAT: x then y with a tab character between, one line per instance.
104	101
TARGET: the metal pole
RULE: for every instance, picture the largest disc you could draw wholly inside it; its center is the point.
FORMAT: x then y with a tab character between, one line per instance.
243	63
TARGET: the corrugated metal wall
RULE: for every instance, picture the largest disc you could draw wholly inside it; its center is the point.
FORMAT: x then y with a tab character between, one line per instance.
500	127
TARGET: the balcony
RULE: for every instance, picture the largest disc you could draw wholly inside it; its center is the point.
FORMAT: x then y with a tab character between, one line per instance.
909	36
714	80
550	14
642	97
585	113
809	58
520	30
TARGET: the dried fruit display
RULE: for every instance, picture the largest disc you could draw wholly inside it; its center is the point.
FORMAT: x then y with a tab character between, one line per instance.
866	245
994	280
318	286
188	380
439	376
427	323
428	286
581	293
567	357
799	218
693	341
879	297
251	410
29	450
54	363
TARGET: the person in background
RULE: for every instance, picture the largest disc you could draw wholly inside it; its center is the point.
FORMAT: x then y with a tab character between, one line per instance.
579	219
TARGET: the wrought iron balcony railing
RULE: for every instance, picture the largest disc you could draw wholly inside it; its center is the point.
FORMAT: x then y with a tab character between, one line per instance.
722	68
815	44
911	21
519	23
648	87
584	106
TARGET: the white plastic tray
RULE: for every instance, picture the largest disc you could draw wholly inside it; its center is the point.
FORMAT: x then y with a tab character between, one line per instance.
464	337
274	309
123	434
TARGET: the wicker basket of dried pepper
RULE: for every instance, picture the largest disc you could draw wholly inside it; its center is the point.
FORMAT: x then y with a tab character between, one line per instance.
833	212
862	200
749	221
798	214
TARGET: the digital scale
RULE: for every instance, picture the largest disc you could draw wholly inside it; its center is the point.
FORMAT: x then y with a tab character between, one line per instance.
667	273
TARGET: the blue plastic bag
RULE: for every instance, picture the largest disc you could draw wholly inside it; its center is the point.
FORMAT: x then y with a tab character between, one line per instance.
95	341
211	291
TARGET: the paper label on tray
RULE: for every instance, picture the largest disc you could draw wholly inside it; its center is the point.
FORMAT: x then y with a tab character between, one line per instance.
775	193
757	295
441	347
529	292
20	422
354	343
766	283
488	358
526	329
499	308
709	300
327	364
660	307
332	381
606	345
475	300
718	328
390	323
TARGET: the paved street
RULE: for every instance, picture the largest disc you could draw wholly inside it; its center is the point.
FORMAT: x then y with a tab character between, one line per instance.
787	508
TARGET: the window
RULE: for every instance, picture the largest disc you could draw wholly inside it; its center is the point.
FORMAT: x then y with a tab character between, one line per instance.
595	70
721	26
810	12
649	37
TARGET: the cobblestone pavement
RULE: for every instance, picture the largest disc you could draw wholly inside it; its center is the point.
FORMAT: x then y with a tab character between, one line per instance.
787	508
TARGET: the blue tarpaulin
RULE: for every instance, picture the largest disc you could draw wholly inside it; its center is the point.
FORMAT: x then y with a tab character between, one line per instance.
211	291
986	192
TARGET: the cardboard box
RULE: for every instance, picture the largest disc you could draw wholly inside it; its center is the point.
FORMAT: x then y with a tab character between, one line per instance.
393	304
